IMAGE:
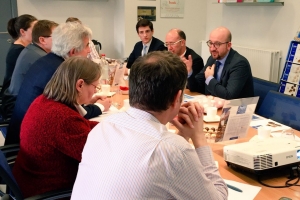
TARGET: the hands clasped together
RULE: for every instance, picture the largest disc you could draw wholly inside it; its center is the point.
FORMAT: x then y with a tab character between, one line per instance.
106	102
190	123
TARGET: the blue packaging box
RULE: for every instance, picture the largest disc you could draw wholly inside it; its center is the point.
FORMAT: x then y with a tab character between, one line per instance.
291	73
294	52
289	89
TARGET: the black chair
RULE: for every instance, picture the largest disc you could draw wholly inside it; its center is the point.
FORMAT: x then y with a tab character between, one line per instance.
12	189
282	108
98	45
261	88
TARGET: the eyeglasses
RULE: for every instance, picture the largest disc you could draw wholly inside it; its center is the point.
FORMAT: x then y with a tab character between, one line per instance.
216	44
46	36
171	43
98	88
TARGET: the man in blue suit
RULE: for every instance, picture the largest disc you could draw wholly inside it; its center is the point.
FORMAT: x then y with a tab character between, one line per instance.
68	39
227	74
148	43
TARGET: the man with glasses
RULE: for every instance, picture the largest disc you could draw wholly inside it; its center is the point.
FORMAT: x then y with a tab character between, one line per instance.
227	74
148	43
176	43
40	46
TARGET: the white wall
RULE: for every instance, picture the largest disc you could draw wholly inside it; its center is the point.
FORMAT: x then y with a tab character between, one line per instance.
193	23
268	27
113	21
98	15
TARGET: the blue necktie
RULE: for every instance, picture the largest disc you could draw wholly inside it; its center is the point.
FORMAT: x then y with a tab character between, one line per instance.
144	50
217	65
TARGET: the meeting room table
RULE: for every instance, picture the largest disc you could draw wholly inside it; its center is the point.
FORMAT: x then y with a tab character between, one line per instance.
228	173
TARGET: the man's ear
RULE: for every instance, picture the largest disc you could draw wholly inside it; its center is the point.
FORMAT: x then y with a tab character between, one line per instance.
229	45
71	52
178	98
42	40
183	42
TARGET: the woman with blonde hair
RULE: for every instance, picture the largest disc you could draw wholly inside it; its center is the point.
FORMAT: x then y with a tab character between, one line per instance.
53	131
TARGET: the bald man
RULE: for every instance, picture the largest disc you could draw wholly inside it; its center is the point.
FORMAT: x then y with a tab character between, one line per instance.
176	43
227	74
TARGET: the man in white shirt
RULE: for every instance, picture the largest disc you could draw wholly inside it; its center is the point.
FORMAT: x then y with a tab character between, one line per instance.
131	155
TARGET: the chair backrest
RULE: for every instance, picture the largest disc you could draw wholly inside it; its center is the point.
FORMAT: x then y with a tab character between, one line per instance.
98	45
282	108
261	88
8	178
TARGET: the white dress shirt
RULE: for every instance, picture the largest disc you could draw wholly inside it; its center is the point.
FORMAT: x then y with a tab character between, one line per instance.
93	55
131	155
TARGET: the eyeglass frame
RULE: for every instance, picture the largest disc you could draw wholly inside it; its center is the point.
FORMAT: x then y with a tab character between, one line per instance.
214	44
172	43
98	88
46	36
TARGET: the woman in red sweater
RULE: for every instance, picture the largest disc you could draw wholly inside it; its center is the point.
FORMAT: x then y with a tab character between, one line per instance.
54	131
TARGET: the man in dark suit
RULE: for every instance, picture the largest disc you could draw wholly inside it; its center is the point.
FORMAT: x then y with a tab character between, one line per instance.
39	74
148	43
176	43
227	74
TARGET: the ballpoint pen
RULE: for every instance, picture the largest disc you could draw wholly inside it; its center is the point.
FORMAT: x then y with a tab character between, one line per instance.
234	188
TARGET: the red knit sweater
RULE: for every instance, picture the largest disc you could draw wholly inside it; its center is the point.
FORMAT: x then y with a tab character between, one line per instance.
52	139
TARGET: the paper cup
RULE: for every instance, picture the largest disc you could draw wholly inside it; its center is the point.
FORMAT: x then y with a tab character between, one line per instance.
211	112
263	132
105	89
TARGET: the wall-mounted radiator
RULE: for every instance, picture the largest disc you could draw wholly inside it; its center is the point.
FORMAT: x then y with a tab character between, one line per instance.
265	64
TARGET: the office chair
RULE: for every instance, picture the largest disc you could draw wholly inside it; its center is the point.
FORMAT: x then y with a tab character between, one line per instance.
282	108
13	191
98	45
261	88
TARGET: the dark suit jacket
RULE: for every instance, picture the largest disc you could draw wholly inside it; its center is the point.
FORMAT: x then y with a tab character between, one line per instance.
197	61
235	82
33	85
26	58
156	45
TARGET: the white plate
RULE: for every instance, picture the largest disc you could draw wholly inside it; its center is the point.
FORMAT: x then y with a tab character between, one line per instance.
109	94
216	119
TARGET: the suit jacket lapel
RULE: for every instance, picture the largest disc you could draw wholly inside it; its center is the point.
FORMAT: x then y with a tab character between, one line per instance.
227	62
152	44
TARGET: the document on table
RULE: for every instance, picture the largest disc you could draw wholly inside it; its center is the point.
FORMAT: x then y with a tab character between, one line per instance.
249	191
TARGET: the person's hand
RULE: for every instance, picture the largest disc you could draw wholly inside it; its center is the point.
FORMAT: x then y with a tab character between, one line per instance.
97	97
209	71
106	103
190	123
188	62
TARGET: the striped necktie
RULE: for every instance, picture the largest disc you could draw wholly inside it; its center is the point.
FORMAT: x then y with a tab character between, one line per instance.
144	50
217	65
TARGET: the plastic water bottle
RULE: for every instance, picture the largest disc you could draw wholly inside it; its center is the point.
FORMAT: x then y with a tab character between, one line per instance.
104	79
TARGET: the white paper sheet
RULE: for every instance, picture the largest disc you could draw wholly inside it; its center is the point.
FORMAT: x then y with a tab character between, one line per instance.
249	191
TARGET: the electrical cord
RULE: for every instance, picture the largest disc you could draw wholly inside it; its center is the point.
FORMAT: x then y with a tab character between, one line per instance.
287	183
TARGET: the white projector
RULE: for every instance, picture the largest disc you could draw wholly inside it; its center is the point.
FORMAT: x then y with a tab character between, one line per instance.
262	155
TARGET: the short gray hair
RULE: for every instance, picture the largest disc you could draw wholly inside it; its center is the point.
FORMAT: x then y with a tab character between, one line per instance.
68	36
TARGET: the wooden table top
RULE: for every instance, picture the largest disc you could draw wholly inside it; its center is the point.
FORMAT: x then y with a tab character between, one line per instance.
243	177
